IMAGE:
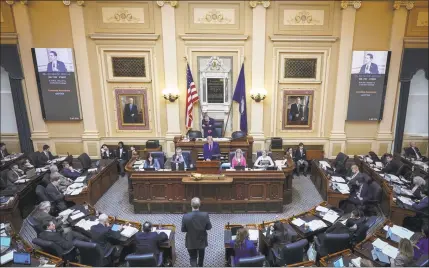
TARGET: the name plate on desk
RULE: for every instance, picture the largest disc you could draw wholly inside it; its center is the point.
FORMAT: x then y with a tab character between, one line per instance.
208	180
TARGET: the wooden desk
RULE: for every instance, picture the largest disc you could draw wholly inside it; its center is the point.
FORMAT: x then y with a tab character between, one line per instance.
225	147
287	187
6	164
380	232
11	213
347	255
418	170
250	191
303	264
398	214
97	185
225	180
307	217
227	237
53	260
364	248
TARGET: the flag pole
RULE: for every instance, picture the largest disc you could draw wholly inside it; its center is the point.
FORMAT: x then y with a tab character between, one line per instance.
199	102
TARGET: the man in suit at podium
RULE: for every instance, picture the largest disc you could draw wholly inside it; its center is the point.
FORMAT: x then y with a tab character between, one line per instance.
369	67
211	149
55	65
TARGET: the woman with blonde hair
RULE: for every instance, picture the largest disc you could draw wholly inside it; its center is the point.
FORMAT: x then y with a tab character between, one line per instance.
239	159
405	255
243	247
419	184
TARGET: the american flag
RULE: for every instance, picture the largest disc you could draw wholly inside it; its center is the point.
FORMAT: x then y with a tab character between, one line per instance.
191	97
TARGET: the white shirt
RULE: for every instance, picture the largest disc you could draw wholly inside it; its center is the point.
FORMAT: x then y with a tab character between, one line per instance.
264	158
120	152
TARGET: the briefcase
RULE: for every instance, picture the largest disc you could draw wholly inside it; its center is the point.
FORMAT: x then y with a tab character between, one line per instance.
276	143
152	144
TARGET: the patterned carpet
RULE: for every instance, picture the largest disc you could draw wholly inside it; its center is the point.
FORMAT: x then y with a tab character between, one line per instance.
115	203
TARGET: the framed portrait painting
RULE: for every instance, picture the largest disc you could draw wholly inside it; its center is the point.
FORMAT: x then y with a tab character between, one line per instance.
132	109
297	109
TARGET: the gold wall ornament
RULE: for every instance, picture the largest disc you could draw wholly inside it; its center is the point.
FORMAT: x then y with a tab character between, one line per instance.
123	15
68	2
11	2
162	3
265	4
214	17
407	4
354	4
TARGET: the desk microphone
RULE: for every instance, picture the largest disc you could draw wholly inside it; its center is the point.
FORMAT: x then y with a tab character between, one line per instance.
227	226
263	224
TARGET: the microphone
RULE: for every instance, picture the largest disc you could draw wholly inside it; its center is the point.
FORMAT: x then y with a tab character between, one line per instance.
227	226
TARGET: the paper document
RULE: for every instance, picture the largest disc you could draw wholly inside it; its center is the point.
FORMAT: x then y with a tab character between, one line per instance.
66	212
80	179
378	164
76	185
316	225
406	192
356	262
280	163
233	237
322	209
376	169
368	160
390	251
406	200
129	231
165	231
381	256
76	191
378	243
49	265
324	164
337	179
331	217
298	222
87	224
7	257
398	232
92	170
341	187
253	235
20	181
77	216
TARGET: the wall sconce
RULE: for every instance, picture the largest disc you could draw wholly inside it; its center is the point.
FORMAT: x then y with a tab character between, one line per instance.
258	94
170	94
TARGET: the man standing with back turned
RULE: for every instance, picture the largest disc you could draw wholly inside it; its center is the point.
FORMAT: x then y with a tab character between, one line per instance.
195	224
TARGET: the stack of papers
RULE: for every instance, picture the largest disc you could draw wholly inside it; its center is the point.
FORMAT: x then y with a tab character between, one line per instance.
66	212
253	235
341	187
322	209
21	181
298	222
7	257
280	163
77	216
87	224
316	225
165	231
324	164
406	200
382	251
397	232
405	191
76	191
138	162
368	160
376	169
356	262
92	170
80	179
129	231
331	216
337	179
378	164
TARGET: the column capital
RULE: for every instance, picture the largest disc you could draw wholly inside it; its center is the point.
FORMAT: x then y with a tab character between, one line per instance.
162	3
354	4
407	4
265	4
68	2
11	2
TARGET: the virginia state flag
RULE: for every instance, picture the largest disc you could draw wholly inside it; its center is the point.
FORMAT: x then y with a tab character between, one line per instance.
240	97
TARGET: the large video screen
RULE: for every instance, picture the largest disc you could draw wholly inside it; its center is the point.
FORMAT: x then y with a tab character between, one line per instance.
368	85
55	74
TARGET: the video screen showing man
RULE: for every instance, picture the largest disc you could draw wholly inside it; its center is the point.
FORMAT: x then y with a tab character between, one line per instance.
55	65
130	112
369	67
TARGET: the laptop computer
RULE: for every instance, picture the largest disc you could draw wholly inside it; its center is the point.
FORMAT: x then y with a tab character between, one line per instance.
179	166
22	258
5	243
31	173
149	169
239	167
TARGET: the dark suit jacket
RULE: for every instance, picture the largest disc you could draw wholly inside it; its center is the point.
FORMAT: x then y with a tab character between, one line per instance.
299	156
102	235
410	152
294	110
185	158
12	176
418	192
106	155
60	66
124	155
196	224
373	69
208	154
57	238
5	153
147	243
208	126
53	193
128	112
43	159
390	168
42	217
364	193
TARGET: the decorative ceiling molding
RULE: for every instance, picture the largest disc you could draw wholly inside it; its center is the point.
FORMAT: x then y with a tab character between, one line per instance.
162	3
217	37
407	4
354	4
68	2
288	38
117	36
265	4
11	2
415	40
8	36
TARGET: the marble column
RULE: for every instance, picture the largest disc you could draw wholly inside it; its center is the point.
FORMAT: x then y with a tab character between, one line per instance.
399	23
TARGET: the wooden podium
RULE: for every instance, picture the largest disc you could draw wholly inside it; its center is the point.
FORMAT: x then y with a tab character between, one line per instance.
208	167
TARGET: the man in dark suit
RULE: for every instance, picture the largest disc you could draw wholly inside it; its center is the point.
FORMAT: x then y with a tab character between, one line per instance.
414	152
55	65
130	112
208	126
391	166
297	110
195	224
55	195
211	149
122	155
63	240
15	174
148	242
46	156
369	67
178	158
103	235
357	197
301	159
3	151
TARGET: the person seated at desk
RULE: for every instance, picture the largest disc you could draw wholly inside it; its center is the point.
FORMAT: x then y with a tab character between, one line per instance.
69	172
279	237
422	246
352	225
61	239
134	153
106	153
45	157
122	155
15	174
148	242
151	162
291	153
41	215
238	159
355	175
178	159
264	161
391	167
357	197
418	186
301	158
414	152
405	255
63	182
243	247
25	165
211	149
102	234
208	126
55	195
3	151
373	156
